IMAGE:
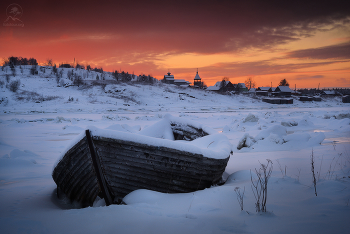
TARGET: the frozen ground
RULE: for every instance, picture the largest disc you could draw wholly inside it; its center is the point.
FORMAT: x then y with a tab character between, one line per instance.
40	120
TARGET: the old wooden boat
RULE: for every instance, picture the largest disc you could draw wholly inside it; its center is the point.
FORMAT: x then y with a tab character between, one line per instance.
111	164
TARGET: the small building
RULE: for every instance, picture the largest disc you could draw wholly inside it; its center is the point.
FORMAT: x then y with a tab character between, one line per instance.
330	93
346	99
168	79
241	87
215	88
252	90
278	100
262	91
283	91
65	65
222	87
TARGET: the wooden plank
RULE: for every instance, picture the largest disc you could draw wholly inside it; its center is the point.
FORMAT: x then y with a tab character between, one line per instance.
98	170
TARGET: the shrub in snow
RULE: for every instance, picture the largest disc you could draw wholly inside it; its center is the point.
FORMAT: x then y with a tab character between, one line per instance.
343	116
14	85
251	118
13	69
58	79
259	186
246	141
33	70
2	83
4	102
78	81
8	78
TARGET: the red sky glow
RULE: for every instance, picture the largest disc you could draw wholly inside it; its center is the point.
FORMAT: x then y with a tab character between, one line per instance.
305	42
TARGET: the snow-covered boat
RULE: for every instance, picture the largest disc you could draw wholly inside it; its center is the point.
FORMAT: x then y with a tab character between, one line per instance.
172	156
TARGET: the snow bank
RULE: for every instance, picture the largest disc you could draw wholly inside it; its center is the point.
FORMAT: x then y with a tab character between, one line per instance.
277	135
210	146
18	157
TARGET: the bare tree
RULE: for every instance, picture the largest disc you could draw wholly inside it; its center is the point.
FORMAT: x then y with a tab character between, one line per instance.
250	83
49	62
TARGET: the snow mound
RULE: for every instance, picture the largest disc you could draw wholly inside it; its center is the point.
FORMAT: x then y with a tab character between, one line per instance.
143	196
277	131
239	176
18	157
246	141
277	135
162	130
251	118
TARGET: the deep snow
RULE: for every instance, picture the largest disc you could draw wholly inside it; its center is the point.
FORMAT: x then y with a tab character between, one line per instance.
39	122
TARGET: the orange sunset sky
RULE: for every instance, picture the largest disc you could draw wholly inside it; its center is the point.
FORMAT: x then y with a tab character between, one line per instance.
305	42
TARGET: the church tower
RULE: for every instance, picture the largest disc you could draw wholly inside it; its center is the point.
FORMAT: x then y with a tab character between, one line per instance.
197	81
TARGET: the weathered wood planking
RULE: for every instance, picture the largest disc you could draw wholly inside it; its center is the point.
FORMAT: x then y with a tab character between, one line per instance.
115	167
75	175
129	166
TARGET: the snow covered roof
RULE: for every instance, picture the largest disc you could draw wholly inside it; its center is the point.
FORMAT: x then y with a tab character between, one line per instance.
213	88
283	89
180	81
171	77
241	84
329	92
252	90
217	85
197	77
264	88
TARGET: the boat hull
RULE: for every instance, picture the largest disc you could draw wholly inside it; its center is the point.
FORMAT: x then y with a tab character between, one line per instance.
125	166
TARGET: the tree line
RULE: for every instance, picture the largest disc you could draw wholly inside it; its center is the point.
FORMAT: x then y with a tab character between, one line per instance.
16	61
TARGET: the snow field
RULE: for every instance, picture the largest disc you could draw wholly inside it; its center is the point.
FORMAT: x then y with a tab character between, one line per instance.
34	134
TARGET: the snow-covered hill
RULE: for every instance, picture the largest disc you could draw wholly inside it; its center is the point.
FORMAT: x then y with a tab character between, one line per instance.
43	117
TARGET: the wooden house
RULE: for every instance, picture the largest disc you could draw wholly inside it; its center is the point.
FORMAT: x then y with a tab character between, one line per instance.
262	91
168	79
283	91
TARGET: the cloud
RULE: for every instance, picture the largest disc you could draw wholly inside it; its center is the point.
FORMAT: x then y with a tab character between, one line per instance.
258	68
182	26
339	51
303	77
343	81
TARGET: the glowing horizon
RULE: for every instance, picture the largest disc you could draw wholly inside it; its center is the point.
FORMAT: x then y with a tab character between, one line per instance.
282	41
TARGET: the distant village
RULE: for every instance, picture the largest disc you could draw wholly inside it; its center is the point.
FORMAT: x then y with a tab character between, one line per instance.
224	86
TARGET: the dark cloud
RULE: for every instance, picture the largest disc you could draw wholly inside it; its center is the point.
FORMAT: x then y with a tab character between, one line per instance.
258	68
181	26
340	51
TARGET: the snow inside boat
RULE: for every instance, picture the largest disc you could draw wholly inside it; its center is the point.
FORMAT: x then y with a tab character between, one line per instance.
171	156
